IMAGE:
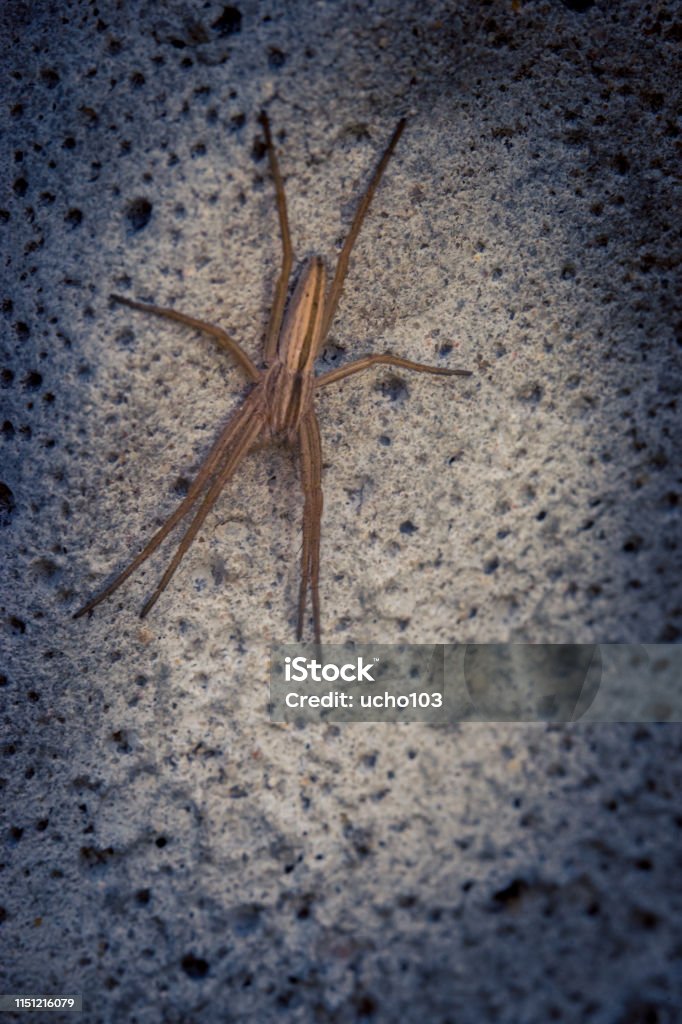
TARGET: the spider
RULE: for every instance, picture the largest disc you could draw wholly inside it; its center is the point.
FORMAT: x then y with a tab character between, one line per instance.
281	404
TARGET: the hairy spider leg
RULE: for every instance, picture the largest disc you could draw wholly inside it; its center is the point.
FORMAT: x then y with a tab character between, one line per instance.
251	427
277	311
339	279
358	219
311	478
208	468
221	336
364	363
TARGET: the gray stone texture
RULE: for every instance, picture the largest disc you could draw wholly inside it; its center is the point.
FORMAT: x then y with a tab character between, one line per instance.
166	850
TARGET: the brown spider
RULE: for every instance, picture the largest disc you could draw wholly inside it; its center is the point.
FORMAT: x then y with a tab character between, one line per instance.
281	405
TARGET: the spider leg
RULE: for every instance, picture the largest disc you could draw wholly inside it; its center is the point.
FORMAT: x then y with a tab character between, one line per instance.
360	213
364	363
277	311
311	474
251	427
208	468
221	336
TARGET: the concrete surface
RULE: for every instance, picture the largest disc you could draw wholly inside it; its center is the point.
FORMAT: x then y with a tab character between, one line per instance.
166	850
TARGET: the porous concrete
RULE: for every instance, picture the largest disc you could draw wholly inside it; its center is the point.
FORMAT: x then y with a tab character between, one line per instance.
166	850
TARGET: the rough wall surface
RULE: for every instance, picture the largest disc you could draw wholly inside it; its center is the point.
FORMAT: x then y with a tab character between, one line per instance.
167	851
